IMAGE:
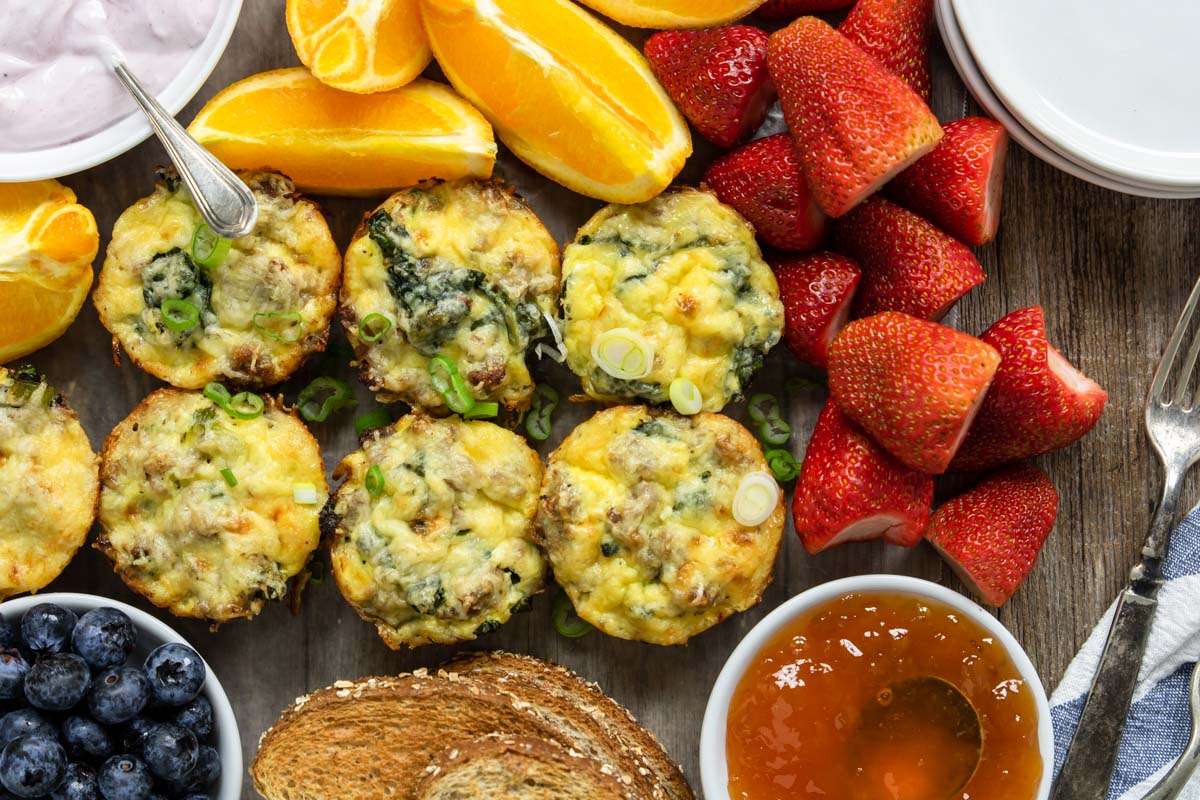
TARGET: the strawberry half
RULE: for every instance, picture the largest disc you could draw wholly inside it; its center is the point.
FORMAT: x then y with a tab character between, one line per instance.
896	33
991	535
1038	401
816	291
850	490
958	186
855	124
718	78
908	264
764	182
790	9
913	385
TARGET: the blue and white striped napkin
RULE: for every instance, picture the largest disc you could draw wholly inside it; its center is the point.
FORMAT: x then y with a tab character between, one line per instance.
1159	723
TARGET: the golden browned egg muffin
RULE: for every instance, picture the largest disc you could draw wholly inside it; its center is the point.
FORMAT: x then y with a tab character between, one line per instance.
48	482
462	270
657	525
432	530
675	287
210	509
190	308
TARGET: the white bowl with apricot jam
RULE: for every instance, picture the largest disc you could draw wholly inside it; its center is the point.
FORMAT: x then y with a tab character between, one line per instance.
879	687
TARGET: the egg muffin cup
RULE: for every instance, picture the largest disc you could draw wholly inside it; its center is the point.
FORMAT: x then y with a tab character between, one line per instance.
431	532
190	308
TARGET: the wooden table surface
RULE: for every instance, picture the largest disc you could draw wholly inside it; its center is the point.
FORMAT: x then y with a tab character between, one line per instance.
1111	271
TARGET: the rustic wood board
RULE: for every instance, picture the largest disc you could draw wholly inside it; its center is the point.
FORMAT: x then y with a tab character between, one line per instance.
1110	270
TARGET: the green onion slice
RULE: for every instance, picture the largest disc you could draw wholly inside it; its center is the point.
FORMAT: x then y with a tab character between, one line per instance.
623	354
305	494
374	481
685	396
218	394
374	327
772	428
179	315
538	422
450	384
282	326
482	411
208	249
371	420
783	465
324	396
245	405
756	499
230	478
566	621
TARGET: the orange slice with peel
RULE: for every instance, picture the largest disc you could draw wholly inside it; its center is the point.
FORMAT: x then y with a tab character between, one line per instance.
359	45
674	13
567	94
47	245
334	142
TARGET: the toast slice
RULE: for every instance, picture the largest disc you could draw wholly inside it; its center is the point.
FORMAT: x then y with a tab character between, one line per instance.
514	768
565	700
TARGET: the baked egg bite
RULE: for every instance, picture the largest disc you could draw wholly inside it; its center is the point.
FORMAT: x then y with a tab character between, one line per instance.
49	479
657	525
673	288
190	308
209	510
431	532
463	271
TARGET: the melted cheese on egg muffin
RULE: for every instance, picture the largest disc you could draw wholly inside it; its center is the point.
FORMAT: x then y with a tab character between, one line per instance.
48	483
684	272
259	312
464	270
205	514
636	518
433	529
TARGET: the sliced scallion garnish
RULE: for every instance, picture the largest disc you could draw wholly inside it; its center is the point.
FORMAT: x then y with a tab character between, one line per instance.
245	405
374	481
179	315
230	478
685	396
305	494
282	326
450	384
218	394
208	249
322	397
566	621
763	409
756	498
482	411
538	422
374	327
783	465
371	420
623	354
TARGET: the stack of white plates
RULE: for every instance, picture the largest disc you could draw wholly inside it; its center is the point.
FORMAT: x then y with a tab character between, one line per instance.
1106	90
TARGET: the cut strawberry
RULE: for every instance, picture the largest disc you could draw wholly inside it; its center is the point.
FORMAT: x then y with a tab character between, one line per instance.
764	182
896	33
913	385
790	9
991	535
718	78
908	264
958	186
1038	401
855	124
816	291
850	489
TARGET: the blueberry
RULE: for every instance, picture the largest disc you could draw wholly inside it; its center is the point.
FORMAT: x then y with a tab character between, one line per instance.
9	637
57	681
104	637
31	766
25	722
12	674
203	775
196	716
119	695
79	783
46	628
176	674
135	734
86	740
170	751
125	778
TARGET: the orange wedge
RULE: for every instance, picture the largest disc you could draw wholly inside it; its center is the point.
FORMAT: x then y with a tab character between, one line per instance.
568	95
334	142
47	245
359	45
674	13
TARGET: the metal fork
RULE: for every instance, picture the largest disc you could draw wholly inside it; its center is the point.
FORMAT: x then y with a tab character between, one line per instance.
1173	426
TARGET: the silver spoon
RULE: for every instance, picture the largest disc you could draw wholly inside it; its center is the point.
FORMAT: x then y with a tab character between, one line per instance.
1177	777
224	201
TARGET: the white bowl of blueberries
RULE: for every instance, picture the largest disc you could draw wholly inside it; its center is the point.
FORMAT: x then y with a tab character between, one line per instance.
101	701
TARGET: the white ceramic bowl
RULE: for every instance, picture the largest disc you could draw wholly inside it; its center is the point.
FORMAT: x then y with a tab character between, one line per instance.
714	772
133	129
152	633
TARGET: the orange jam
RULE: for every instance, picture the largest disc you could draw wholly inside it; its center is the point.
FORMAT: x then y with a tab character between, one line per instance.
818	713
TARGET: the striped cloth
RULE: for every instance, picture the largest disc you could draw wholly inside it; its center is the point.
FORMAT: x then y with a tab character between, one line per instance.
1159	723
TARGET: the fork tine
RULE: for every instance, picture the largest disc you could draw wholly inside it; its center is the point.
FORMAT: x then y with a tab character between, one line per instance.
1168	358
1189	363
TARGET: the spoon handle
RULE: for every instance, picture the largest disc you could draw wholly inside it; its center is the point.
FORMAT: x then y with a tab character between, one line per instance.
224	201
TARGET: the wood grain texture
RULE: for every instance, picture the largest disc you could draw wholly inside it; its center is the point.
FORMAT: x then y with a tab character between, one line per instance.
1111	271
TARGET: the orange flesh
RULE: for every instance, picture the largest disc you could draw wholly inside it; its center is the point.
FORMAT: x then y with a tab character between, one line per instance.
794	719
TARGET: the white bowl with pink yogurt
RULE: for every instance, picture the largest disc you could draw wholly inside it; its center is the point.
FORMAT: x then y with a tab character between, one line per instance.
61	108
